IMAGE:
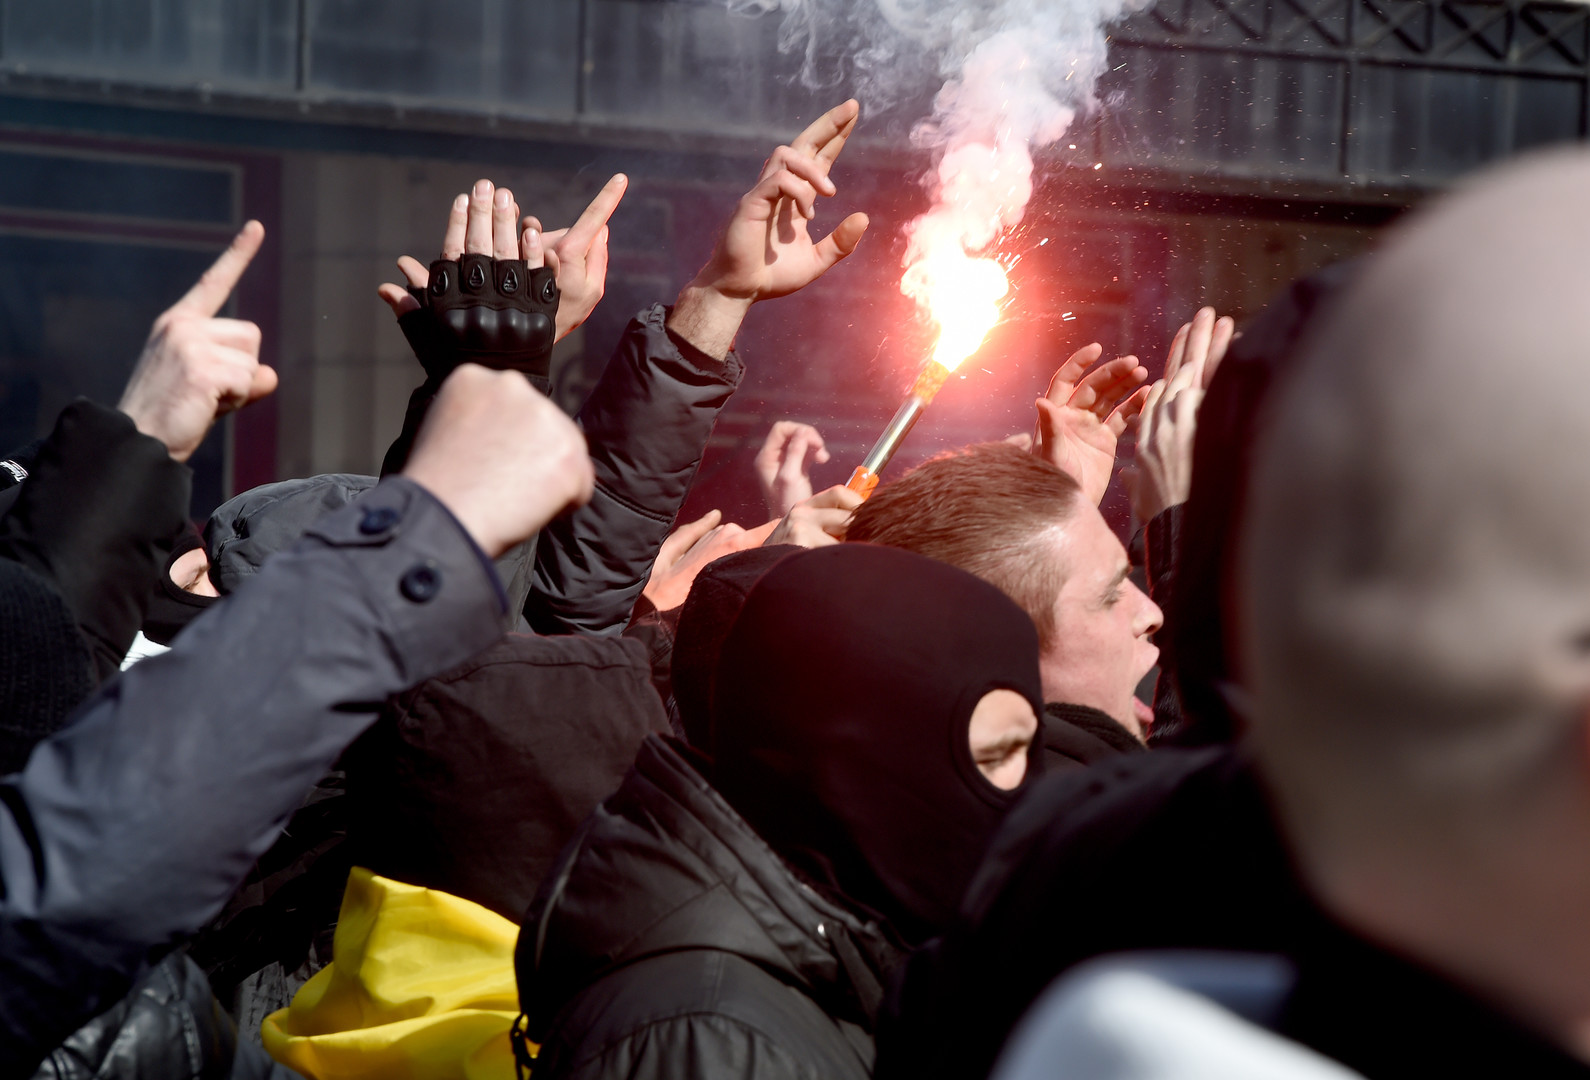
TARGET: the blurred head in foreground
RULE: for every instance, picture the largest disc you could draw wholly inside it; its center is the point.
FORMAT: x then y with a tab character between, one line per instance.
1416	594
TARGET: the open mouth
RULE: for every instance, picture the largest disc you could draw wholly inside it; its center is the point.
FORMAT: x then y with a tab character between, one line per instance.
1144	713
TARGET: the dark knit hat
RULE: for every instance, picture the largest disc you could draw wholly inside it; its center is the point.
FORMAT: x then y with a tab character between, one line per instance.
45	669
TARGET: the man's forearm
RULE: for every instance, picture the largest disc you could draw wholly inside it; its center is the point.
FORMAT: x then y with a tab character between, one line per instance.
131	827
707	319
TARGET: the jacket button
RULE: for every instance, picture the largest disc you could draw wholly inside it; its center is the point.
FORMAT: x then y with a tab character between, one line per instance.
421	583
378	519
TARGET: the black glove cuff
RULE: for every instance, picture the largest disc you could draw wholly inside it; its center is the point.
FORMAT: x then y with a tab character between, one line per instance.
495	312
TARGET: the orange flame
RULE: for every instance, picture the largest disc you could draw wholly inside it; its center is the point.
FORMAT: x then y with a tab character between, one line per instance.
961	293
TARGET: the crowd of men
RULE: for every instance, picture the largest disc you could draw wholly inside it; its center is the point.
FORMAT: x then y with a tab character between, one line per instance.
488	767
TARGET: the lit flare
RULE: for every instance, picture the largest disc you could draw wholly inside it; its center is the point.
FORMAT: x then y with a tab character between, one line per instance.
961	294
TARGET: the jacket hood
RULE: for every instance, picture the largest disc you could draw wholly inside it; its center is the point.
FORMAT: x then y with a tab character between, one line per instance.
665	865
249	529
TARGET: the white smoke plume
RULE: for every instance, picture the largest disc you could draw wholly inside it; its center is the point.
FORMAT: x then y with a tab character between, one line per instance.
1014	73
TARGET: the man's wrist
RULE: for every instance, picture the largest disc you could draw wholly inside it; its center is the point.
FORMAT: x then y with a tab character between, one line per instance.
150	428
708	319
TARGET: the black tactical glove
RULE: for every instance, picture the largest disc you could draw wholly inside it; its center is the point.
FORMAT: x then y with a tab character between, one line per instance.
498	313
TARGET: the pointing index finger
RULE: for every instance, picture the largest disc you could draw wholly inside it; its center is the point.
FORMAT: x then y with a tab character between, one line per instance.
209	293
826	135
583	231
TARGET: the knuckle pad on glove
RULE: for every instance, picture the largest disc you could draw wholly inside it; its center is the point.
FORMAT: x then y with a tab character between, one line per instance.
498	313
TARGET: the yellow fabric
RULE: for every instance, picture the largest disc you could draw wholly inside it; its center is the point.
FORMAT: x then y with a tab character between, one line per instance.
420	986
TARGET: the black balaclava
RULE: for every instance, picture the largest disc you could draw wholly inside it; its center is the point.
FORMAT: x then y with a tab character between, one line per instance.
172	608
840	721
715	600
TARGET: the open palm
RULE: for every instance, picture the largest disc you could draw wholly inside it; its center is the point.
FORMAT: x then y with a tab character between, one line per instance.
1084	413
767	249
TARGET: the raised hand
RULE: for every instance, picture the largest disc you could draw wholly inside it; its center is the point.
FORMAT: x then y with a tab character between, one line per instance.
1084	413
767	250
1161	476
817	522
500	456
578	255
1201	344
783	465
688	550
195	367
487	222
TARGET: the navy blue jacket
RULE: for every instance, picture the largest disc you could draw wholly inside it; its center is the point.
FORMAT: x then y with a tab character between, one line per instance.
131	827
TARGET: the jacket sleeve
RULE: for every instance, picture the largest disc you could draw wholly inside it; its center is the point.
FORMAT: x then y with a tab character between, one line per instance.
701	1045
131	827
647	423
1162	547
96	517
656	631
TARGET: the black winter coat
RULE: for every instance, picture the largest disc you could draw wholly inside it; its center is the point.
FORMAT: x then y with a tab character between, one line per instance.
672	942
474	780
1166	850
646	423
1076	736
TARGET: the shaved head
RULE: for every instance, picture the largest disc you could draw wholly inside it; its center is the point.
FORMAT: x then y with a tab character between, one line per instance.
1416	573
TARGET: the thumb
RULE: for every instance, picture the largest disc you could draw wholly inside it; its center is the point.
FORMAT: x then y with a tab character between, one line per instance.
758	536
398	299
838	497
264	382
1050	421
843	240
685	537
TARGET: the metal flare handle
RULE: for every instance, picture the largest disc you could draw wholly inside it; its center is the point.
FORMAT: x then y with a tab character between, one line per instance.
865	478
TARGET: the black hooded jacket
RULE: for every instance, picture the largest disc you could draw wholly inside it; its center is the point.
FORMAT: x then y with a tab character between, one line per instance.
673	941
720	963
1172	849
